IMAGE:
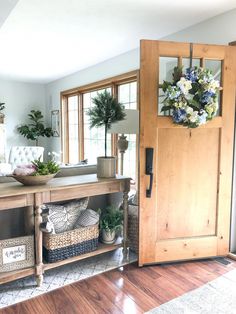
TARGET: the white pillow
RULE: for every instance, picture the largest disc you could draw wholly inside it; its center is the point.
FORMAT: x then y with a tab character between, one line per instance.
87	218
64	216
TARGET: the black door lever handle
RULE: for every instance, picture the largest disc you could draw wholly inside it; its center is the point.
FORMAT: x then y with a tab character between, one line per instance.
148	170
149	190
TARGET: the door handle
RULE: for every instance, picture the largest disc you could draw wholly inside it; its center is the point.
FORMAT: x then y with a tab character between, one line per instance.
149	169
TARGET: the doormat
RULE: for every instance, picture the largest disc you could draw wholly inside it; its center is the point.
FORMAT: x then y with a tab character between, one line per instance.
215	297
26	288
222	260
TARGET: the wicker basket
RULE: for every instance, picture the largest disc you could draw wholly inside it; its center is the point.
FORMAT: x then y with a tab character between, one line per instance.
71	243
133	226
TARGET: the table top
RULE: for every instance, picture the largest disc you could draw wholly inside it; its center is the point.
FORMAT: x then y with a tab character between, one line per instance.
16	188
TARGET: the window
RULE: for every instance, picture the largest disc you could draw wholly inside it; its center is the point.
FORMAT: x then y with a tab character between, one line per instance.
79	142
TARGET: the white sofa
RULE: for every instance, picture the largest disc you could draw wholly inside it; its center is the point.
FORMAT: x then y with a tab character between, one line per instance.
24	154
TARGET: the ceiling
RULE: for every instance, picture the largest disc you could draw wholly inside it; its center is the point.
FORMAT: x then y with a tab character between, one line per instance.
43	40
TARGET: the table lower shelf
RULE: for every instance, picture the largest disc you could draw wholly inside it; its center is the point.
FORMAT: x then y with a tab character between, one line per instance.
21	273
16	274
102	248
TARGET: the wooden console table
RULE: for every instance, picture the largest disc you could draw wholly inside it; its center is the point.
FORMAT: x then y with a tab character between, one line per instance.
15	195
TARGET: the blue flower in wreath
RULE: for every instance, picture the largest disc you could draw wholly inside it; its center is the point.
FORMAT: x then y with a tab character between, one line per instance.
179	115
206	97
202	117
191	75
173	92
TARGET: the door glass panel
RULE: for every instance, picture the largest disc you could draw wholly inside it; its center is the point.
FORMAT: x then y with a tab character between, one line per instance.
166	68
215	67
186	63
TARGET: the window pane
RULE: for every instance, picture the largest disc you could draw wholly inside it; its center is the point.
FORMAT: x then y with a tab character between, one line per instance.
73	135
94	139
166	69
215	66
186	63
127	95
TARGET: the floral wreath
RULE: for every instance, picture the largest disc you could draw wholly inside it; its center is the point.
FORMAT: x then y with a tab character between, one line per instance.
192	97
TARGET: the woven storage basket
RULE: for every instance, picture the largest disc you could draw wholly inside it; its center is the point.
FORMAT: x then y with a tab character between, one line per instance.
133	228
71	243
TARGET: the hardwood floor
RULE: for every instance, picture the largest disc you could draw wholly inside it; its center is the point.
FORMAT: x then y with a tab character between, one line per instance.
128	290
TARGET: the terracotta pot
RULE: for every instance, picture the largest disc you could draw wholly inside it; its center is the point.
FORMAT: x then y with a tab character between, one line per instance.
106	167
108	236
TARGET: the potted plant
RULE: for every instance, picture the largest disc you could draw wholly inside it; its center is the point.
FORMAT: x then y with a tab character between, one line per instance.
106	110
2	116
35	128
110	222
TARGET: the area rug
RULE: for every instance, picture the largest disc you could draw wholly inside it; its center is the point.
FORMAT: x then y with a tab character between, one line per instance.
24	289
215	297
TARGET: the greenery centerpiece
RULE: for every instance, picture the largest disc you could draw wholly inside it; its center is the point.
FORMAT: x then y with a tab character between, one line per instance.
35	129
36	173
110	222
192	97
106	110
2	107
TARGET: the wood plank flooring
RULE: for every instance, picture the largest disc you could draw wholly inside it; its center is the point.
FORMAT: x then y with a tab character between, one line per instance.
128	290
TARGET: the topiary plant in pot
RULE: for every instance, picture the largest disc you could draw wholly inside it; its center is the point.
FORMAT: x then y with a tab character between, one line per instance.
110	222
106	110
35	129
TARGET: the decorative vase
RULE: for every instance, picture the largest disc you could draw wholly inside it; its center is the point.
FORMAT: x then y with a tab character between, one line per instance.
106	167
108	236
2	116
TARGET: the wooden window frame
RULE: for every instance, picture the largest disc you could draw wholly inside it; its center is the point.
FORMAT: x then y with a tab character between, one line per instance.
112	83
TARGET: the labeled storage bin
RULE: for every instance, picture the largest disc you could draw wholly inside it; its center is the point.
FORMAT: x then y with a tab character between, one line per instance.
16	253
71	243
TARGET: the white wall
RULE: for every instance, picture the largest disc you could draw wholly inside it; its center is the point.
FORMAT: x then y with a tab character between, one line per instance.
217	30
19	99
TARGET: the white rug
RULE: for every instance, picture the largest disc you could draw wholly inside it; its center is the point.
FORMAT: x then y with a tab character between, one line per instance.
24	289
215	297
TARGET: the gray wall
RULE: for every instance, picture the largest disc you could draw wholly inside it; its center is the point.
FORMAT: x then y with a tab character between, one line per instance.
19	99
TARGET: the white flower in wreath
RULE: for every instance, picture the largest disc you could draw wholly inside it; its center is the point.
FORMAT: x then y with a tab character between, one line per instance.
213	86
180	104
189	111
194	117
211	108
184	85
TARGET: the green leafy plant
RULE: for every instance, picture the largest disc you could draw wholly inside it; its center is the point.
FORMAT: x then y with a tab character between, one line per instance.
106	110
2	106
44	168
35	128
111	219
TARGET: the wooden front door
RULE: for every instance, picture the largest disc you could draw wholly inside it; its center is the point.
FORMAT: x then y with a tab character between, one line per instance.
188	213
